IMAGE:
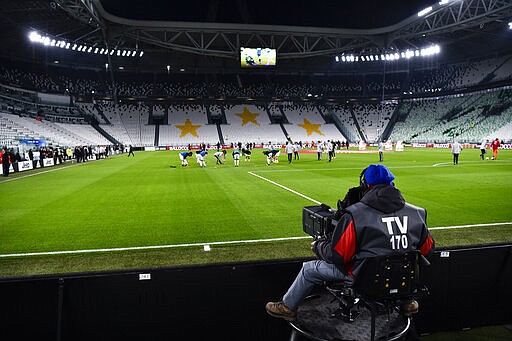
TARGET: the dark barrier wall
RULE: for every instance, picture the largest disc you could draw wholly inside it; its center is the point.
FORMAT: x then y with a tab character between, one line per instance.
469	287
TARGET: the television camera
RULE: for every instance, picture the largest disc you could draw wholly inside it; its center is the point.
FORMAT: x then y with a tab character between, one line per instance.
319	221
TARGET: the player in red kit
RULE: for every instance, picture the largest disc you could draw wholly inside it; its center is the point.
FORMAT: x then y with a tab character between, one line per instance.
494	146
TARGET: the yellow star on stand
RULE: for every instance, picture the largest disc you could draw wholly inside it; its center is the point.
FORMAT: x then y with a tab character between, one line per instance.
248	116
311	128
188	128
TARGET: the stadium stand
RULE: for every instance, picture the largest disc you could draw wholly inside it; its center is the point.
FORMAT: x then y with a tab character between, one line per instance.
464	106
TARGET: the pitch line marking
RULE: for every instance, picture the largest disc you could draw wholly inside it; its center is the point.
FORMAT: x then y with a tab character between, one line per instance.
37	173
154	247
286	188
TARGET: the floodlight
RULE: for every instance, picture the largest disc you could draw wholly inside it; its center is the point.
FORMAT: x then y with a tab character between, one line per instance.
124	53
74	47
46	41
90	49
343	58
67	46
444	2
425	11
510	25
118	52
141	53
101	51
34	37
112	52
52	42
337	58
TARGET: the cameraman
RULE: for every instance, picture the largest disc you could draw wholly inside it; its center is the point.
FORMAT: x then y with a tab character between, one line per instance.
380	223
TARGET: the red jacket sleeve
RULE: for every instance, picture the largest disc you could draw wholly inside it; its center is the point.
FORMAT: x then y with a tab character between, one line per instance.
344	243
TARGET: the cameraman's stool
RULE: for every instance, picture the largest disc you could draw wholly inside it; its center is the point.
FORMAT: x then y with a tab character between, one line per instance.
366	309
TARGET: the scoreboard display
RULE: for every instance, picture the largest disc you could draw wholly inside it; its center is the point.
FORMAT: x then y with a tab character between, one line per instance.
257	57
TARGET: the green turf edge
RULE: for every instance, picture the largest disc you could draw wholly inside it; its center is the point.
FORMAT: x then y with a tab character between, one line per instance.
154	258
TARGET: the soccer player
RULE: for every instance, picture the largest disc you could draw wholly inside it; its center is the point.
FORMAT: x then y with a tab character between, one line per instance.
236	157
220	156
483	148
183	158
269	156
456	149
319	150
296	148
289	151
275	155
247	154
381	151
202	155
494	146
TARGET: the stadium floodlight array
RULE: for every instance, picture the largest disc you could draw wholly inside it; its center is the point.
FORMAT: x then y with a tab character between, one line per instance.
510	25
45	40
392	56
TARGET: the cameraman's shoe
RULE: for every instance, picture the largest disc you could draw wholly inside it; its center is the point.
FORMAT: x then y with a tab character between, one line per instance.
410	308
278	309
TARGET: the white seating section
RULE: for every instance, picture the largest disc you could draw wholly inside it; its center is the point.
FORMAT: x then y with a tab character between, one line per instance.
342	112
62	134
373	119
307	124
250	123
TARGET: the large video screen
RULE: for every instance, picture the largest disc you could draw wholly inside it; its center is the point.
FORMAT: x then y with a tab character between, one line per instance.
257	57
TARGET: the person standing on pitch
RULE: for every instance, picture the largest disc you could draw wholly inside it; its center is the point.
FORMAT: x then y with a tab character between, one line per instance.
5	162
130	151
296	148
319	150
483	147
236	157
381	151
495	145
456	149
289	151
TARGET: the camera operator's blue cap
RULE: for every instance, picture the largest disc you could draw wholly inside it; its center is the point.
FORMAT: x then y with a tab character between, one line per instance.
378	174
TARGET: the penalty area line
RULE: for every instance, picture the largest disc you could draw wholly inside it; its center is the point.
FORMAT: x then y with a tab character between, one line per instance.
286	188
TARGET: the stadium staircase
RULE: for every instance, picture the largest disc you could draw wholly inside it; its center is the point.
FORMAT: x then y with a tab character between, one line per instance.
329	117
96	126
284	131
157	133
219	132
100	112
359	129
391	124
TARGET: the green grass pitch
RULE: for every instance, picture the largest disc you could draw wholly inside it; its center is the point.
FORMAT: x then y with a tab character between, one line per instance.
142	201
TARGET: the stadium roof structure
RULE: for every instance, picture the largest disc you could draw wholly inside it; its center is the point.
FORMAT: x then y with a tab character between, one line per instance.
209	34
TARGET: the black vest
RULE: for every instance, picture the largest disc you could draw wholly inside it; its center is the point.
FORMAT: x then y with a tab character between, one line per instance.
378	233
